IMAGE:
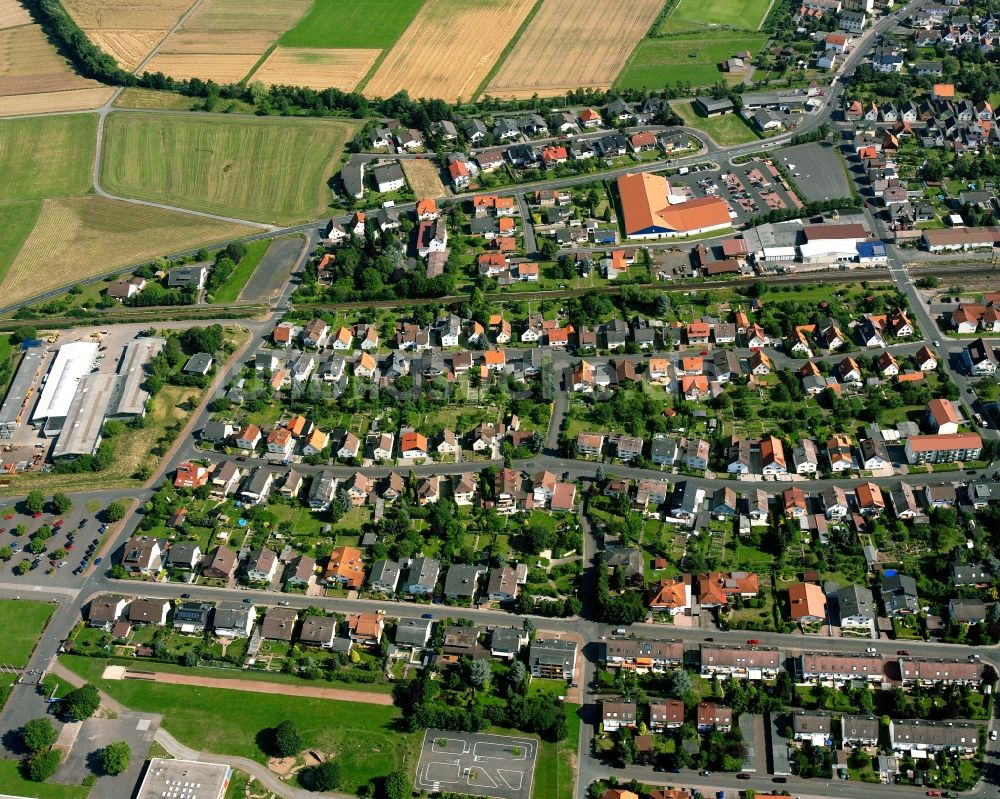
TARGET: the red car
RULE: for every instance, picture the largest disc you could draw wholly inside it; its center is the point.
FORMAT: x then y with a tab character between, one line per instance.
36	515
902	652
68	547
58	523
9	516
933	793
753	642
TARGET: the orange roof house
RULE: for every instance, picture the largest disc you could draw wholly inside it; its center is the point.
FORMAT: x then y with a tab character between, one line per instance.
190	475
298	425
672	594
649	214
495	359
426	207
715	588
411	440
807	602
345	567
943	90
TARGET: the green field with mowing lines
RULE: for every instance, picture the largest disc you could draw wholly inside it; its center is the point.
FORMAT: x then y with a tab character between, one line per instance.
370	24
724	130
264	169
230	290
696	14
690	59
22	623
361	736
47	156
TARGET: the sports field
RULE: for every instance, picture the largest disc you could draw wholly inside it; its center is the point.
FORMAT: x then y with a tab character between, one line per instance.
449	48
692	58
126	29
567	45
22	623
224	39
102	235
263	169
697	14
364	24
362	736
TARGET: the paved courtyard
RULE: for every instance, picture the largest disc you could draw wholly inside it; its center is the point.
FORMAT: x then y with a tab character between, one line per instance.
496	766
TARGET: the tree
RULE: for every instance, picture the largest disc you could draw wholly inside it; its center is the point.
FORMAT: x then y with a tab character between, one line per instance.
41	765
396	785
679	683
115	757
81	703
287	740
38	734
325	776
479	672
115	512
61	503
35	501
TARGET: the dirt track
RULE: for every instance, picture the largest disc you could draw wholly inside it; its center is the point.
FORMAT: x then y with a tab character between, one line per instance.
261	687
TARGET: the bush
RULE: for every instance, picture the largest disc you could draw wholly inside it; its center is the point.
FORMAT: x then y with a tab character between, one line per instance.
115	512
41	765
324	777
35	501
287	740
38	734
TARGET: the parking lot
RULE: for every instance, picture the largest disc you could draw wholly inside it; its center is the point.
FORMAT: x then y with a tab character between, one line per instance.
751	189
816	169
496	766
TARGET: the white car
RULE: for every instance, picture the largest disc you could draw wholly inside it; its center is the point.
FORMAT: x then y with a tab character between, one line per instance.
871	650
993	735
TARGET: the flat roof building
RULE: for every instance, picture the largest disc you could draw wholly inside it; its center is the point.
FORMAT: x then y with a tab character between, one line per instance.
15	403
71	364
132	398
80	433
184	779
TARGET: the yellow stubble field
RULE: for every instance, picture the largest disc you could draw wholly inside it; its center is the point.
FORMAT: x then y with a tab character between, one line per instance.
569	44
128	30
448	48
424	178
316	68
13	14
223	39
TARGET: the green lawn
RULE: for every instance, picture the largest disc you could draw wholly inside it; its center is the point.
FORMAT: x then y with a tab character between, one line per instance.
695	14
361	737
692	58
725	130
265	169
230	290
47	156
12	783
555	772
373	24
22	623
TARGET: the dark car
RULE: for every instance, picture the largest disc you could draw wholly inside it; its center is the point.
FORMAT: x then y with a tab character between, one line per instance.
248	601
185	596
780	779
902	652
742	776
427	616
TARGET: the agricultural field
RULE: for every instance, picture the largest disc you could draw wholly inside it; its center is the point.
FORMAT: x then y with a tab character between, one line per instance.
265	169
22	622
567	45
316	68
35	78
724	130
127	30
348	24
690	58
691	15
13	14
430	60
424	178
103	235
224	39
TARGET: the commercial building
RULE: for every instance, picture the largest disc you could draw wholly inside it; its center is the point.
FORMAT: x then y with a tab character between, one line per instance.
650	211
943	448
14	407
184	779
81	429
132	397
71	364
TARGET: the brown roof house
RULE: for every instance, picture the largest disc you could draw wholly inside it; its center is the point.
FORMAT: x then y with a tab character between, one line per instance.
220	564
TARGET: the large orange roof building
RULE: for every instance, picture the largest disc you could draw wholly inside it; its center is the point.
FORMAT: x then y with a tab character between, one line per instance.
650	212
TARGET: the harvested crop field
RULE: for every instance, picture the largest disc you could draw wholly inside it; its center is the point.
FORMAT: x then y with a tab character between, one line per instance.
13	14
424	178
29	64
433	57
52	102
316	68
128	30
224	39
271	170
568	45
102	235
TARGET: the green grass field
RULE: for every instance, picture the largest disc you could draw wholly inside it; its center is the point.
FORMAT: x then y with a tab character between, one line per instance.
360	737
230	290
726	129
13	784
368	24
19	219
22	623
555	768
264	169
47	156
697	14
693	58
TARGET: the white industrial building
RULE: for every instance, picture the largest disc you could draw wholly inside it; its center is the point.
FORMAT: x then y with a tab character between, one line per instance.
80	433
133	397
71	364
